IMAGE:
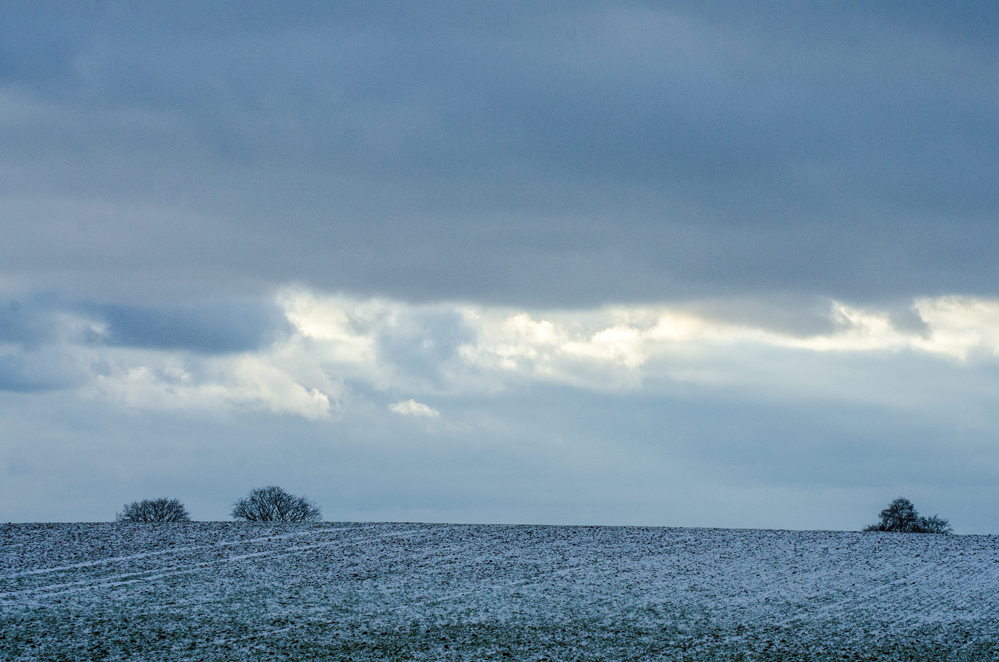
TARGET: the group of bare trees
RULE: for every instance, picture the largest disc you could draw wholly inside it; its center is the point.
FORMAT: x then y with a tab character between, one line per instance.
273	504
263	504
901	517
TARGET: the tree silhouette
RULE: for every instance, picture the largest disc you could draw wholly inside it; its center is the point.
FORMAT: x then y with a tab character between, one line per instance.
901	517
154	510
273	504
934	525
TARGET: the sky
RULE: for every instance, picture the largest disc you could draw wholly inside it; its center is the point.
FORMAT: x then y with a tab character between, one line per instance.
704	264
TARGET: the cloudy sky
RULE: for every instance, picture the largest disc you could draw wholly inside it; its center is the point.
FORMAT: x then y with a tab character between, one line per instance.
688	264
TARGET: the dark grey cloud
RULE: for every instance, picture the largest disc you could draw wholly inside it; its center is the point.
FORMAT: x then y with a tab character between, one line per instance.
206	328
26	323
564	154
215	328
33	372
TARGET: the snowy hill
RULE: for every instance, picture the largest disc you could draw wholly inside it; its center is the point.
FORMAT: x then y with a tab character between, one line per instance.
217	591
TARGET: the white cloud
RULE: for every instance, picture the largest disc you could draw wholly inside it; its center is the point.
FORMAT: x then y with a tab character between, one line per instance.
414	408
462	349
622	348
959	326
157	380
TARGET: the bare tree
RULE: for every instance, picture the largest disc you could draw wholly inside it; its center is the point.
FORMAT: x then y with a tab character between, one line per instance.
901	517
154	510
273	504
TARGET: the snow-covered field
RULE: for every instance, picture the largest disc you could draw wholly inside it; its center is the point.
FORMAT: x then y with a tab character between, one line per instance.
219	591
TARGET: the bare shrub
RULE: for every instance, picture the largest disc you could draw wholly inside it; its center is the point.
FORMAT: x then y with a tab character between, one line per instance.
934	525
273	504
154	510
